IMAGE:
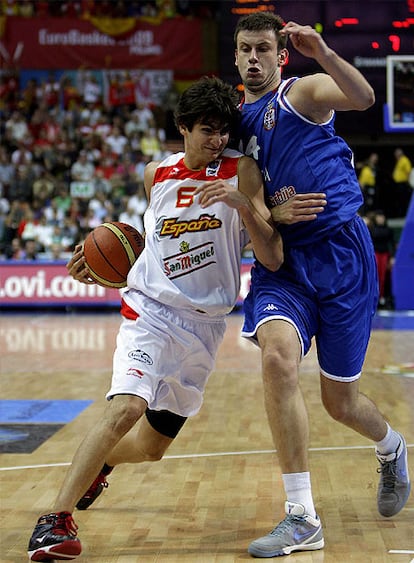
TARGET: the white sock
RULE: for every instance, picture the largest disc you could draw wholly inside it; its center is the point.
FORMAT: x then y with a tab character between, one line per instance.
298	489
389	443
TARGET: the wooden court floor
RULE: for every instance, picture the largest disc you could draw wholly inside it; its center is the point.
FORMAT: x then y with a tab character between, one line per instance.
219	486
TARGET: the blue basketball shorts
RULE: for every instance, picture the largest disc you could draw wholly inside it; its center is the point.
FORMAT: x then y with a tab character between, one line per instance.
327	290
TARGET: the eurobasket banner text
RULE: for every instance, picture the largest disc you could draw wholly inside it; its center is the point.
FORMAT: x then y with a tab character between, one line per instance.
53	43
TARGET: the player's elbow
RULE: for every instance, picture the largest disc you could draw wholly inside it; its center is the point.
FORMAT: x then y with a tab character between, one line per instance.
274	263
367	100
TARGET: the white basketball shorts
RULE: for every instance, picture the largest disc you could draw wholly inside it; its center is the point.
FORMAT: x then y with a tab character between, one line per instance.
165	355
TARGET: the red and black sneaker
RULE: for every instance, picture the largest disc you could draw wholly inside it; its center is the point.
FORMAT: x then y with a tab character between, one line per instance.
54	537
94	490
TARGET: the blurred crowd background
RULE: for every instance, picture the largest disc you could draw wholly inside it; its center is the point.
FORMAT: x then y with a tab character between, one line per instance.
70	161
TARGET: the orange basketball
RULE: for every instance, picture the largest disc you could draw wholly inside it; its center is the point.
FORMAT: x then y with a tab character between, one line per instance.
110	250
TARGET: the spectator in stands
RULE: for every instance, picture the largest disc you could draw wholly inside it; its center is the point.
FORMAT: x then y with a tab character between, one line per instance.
149	10
384	246
103	126
368	181
21	155
70	233
145	116
150	143
7	170
117	141
14	250
4	211
133	125
44	233
50	90
82	170
138	202
17	130
27	228
107	166
90	89
26	8
131	217
71	95
93	148
55	252
63	199
54	214
85	128
30	250
126	172
37	118
141	161
401	176
18	209
30	97
21	186
101	206
91	113
101	184
163	152
43	190
51	127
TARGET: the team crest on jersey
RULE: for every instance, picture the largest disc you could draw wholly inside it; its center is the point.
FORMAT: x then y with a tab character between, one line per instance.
213	168
269	120
184	246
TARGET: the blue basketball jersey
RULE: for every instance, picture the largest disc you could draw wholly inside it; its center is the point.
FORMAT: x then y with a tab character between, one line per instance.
327	290
296	155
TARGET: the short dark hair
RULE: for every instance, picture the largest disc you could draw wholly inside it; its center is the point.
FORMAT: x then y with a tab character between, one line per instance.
210	101
262	21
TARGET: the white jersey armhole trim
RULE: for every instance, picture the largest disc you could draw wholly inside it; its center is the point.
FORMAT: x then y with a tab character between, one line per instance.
287	106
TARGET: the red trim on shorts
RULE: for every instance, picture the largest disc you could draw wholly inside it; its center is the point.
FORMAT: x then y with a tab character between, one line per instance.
127	312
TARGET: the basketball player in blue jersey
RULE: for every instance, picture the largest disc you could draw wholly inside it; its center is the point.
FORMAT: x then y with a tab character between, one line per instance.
327	286
205	204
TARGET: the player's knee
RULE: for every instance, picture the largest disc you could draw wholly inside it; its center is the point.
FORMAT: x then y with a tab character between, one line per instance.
123	416
153	454
279	370
338	410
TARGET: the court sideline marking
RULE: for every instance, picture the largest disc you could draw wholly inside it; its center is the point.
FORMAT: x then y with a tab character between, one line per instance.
212	454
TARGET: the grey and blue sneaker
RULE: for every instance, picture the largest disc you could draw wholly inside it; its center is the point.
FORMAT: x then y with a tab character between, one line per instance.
297	532
394	486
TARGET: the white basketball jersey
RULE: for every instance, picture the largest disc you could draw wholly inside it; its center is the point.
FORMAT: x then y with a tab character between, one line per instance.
192	255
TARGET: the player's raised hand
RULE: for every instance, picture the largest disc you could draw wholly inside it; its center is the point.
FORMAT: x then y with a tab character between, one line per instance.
301	207
77	267
305	39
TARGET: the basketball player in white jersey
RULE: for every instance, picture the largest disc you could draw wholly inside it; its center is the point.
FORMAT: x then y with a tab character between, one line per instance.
205	204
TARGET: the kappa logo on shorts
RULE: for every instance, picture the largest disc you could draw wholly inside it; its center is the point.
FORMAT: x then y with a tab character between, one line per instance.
135	373
141	356
271	307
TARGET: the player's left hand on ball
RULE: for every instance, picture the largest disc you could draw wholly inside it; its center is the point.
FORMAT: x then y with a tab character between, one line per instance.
77	267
